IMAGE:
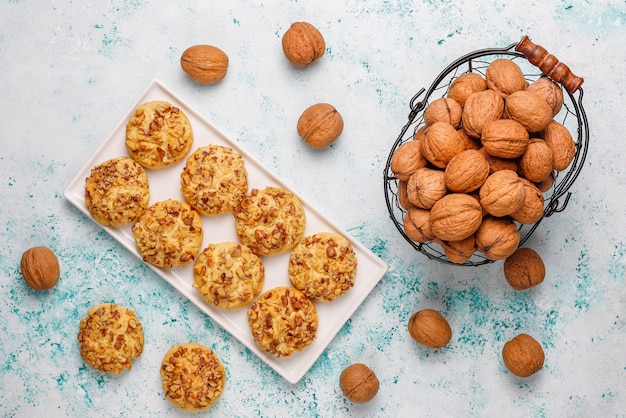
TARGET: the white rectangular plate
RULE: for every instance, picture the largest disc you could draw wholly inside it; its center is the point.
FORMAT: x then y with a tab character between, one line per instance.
165	184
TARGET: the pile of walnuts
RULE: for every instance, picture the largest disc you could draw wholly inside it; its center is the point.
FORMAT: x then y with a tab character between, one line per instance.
478	166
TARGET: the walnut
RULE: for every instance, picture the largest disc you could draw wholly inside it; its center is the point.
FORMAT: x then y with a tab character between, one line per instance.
560	141
524	269
443	110
320	125
549	91
504	77
546	184
497	163
428	327
403	197
504	138
358	383
523	355
303	44
40	268
465	85
425	187
537	162
441	143
205	64
417	225
406	159
480	108
419	133
529	109
459	251
497	238
532	209
466	172
455	217
502	193
468	142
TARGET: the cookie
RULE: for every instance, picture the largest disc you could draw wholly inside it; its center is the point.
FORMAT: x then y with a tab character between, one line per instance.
270	221
110	338
169	234
283	321
228	275
158	135
214	180
323	266
193	377
117	191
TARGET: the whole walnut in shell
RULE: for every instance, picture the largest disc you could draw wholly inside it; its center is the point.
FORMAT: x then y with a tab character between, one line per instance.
40	268
403	196
480	108
320	125
459	251
429	328
524	269
497	238
560	141
425	187
417	225
523	355
549	91
532	209
466	172
502	193
441	143
406	159
443	109
529	109
303	44
465	85
505	77
504	138
358	383
205	64
497	163
537	162
455	217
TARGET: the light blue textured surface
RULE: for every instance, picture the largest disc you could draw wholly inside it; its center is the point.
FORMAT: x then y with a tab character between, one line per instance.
70	69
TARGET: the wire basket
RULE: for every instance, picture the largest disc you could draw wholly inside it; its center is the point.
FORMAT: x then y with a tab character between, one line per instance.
535	62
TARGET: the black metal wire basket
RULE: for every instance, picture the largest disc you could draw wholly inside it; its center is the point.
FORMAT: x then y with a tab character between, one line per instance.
535	62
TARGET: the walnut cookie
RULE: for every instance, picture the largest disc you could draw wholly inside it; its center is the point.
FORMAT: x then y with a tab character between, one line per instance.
110	337
158	135
169	234
323	266
270	221
228	275
117	191
214	180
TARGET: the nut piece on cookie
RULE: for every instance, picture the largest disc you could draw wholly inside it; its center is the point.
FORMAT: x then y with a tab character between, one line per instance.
193	377
110	337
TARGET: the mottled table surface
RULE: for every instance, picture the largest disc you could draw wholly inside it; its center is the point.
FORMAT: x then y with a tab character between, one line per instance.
69	70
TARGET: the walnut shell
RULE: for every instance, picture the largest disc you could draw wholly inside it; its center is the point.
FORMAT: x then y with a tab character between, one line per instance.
466	172
504	138
532	209
403	196
406	159
419	133
417	225
529	109
441	142
523	355
445	110
497	163
560	141
524	269
502	193
425	187
497	238
205	64
320	125
358	383
455	217
537	162
468	142
480	108
465	85
504	77
546	184
459	251
40	268
303	44
428	327
549	91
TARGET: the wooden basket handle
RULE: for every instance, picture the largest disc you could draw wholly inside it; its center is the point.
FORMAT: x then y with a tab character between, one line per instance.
549	64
